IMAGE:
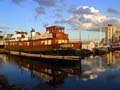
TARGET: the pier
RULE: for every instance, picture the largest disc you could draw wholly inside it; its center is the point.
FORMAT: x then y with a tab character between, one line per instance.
66	55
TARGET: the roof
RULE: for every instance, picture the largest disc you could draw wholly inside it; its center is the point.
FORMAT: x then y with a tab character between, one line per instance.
110	25
38	33
21	32
86	42
55	26
8	36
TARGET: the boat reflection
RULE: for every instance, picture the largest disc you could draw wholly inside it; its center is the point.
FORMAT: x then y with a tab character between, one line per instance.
87	69
49	73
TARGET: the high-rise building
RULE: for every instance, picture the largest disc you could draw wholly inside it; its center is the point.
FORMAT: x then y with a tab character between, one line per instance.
117	36
110	34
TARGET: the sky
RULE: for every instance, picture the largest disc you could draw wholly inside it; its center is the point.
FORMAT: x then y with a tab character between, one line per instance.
87	17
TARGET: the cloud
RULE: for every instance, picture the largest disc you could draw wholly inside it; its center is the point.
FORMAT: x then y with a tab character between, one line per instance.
3	28
39	11
113	11
18	2
48	3
83	10
58	15
62	1
59	9
45	25
88	18
58	12
52	4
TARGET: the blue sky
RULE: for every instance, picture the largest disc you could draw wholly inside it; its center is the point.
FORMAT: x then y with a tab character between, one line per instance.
74	15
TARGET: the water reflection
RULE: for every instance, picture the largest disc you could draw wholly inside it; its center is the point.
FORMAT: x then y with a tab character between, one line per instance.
49	73
92	67
98	70
111	58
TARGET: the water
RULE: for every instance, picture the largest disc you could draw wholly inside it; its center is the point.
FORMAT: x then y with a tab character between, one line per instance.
92	73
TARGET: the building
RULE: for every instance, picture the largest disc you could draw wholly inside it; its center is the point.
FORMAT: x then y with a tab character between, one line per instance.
110	34
88	45
19	36
2	38
117	36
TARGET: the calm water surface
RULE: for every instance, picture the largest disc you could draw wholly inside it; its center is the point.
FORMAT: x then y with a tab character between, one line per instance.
92	73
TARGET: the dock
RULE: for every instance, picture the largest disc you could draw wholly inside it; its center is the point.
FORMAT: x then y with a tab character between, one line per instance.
1	50
60	57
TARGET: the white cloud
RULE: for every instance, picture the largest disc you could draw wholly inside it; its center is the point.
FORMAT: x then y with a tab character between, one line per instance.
88	18
83	10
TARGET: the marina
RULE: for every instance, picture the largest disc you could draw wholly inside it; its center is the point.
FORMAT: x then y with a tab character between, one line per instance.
59	45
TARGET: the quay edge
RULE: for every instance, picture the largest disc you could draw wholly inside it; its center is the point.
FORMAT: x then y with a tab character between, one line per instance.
60	55
1	51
